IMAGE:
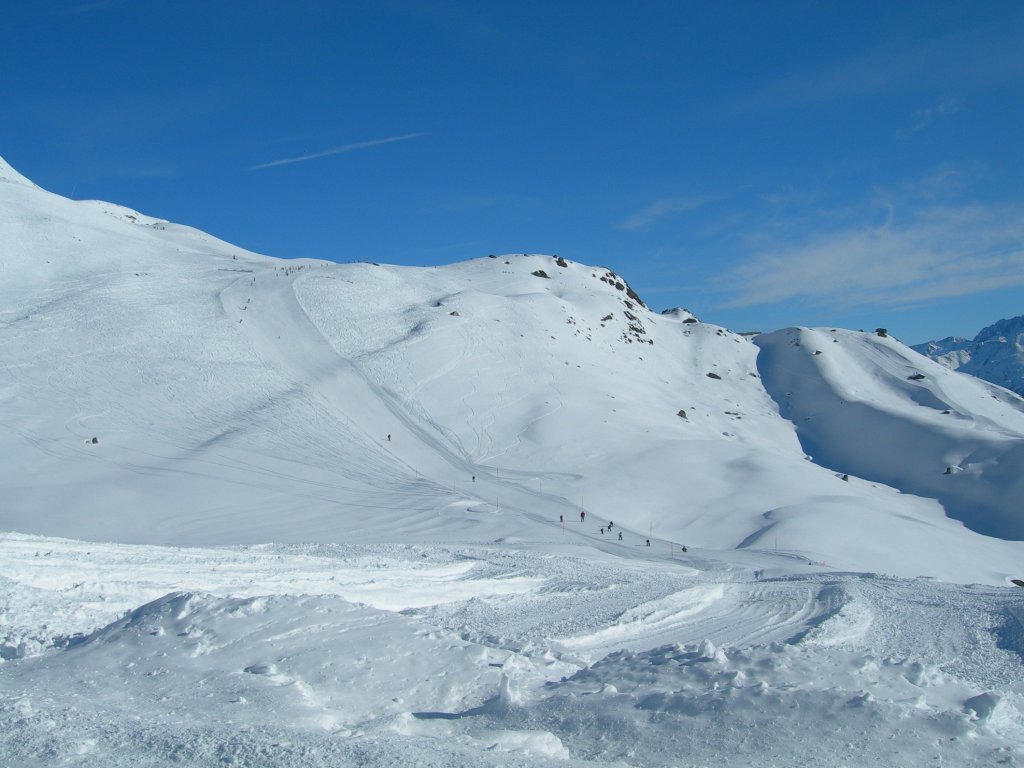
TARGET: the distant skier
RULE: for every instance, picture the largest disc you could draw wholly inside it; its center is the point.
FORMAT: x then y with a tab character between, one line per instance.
389	438
474	478
620	535
610	525
583	516
602	531
648	542
561	519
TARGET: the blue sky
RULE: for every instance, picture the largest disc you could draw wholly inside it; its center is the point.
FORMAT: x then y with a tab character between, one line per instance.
763	164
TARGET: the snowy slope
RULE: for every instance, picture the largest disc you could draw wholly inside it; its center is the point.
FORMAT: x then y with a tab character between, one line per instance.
869	406
241	399
320	523
996	354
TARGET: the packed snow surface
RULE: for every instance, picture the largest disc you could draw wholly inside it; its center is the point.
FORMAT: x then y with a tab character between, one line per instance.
264	512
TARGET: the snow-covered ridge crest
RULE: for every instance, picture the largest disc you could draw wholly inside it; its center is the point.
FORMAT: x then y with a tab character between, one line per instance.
11	176
123	213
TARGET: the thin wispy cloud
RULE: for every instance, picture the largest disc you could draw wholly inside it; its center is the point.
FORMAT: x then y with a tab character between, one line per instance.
871	73
916	254
983	55
337	151
662	209
924	118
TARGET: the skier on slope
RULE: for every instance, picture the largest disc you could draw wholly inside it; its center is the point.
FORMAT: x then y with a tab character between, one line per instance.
583	516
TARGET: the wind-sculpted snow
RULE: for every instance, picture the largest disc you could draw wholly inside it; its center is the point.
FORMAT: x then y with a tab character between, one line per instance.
334	655
869	407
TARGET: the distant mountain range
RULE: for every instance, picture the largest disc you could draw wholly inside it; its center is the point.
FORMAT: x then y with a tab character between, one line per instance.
996	354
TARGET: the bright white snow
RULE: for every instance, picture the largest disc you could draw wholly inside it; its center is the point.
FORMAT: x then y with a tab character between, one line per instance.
331	517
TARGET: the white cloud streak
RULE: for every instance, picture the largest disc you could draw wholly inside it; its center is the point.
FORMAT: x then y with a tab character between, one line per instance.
336	151
979	56
932	253
662	209
923	118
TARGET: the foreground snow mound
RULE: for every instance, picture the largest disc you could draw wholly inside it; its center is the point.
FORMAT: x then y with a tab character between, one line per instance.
577	662
10	176
996	354
868	406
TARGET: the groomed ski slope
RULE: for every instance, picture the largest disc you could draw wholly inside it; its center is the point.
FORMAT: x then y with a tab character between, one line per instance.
320	524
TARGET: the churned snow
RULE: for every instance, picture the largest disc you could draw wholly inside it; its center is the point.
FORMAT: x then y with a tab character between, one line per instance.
268	512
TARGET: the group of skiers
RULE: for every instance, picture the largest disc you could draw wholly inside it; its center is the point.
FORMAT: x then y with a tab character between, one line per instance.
611	524
561	518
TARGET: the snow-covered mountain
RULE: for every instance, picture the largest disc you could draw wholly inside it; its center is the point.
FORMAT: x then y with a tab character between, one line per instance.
345	501
996	354
224	388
